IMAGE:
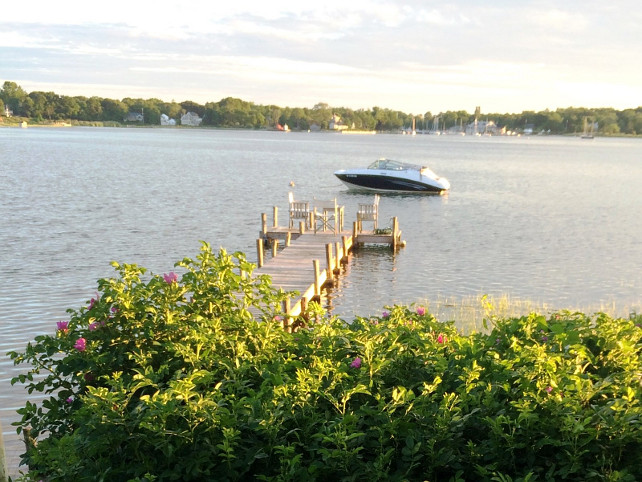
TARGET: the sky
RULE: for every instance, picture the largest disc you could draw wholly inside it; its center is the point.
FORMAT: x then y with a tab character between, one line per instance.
415	57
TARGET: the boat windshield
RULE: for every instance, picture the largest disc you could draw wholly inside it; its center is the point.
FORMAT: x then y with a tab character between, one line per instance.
391	165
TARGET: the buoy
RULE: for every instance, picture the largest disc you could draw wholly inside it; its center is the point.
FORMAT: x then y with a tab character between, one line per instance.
292	183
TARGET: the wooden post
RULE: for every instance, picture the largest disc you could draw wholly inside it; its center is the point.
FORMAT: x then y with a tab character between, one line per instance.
3	459
345	246
275	247
304	306
317	277
328	259
301	227
395	229
275	210
264	224
259	252
337	247
288	239
354	231
286	311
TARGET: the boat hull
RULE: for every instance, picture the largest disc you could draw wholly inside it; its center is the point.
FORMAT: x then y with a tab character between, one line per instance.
383	183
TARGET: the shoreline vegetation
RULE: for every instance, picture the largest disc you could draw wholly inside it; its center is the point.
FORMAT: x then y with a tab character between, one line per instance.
192	375
51	109
470	312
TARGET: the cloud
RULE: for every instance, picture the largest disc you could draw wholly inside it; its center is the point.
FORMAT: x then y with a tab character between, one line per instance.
359	53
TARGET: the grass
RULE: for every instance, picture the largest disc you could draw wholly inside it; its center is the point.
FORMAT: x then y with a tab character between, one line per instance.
470	312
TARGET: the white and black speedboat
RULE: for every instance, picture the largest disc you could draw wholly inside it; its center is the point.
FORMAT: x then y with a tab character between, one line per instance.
386	175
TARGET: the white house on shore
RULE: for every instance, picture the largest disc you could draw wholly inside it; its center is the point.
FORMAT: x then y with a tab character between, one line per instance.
336	124
191	119
166	121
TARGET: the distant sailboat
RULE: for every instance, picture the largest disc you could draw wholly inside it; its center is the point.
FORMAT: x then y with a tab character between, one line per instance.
588	129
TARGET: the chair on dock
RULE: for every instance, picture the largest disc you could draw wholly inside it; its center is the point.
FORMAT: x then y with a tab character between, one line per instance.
368	212
298	210
327	216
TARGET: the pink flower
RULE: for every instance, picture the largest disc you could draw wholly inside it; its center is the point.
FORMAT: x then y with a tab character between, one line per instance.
69	400
93	301
356	363
385	314
81	344
63	326
442	338
93	326
421	311
170	277
277	318
549	389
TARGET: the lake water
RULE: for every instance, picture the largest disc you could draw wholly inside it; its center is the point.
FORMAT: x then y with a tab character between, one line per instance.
554	220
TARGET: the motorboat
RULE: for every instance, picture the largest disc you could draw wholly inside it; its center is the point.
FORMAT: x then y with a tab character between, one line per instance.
386	175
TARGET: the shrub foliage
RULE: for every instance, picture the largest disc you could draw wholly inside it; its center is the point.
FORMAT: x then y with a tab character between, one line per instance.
194	378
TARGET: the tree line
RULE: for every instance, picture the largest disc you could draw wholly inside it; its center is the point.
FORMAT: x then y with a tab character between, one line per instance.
236	113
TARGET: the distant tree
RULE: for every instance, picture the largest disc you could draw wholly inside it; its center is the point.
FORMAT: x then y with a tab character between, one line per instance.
68	108
173	110
274	115
190	106
39	107
92	109
554	123
630	121
113	110
13	96
152	115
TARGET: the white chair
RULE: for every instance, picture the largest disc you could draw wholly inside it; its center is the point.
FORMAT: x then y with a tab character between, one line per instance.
327	215
368	212
298	210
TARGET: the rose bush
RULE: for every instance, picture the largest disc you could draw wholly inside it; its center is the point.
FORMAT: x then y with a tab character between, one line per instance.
192	377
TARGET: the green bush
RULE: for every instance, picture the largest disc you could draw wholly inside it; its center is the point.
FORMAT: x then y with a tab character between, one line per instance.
195	379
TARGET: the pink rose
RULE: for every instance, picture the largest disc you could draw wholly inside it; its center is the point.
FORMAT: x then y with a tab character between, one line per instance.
81	344
170	277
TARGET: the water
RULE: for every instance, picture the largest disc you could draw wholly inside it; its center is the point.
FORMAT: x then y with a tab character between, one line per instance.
551	219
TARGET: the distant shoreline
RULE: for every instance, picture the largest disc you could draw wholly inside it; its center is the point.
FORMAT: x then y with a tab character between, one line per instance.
15	122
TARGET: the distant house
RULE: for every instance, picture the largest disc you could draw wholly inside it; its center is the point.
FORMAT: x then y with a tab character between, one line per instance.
336	124
134	117
7	112
191	119
482	128
166	121
528	129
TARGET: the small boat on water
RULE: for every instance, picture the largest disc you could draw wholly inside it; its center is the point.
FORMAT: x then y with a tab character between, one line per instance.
386	175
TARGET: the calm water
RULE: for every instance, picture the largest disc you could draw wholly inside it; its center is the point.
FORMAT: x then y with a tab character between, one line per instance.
549	219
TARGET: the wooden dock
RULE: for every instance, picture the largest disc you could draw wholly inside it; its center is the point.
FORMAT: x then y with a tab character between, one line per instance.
304	261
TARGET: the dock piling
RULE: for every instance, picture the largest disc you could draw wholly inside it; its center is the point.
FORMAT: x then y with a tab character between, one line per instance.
259	252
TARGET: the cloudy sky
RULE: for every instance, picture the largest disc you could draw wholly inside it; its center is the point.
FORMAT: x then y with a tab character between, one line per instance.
419	56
